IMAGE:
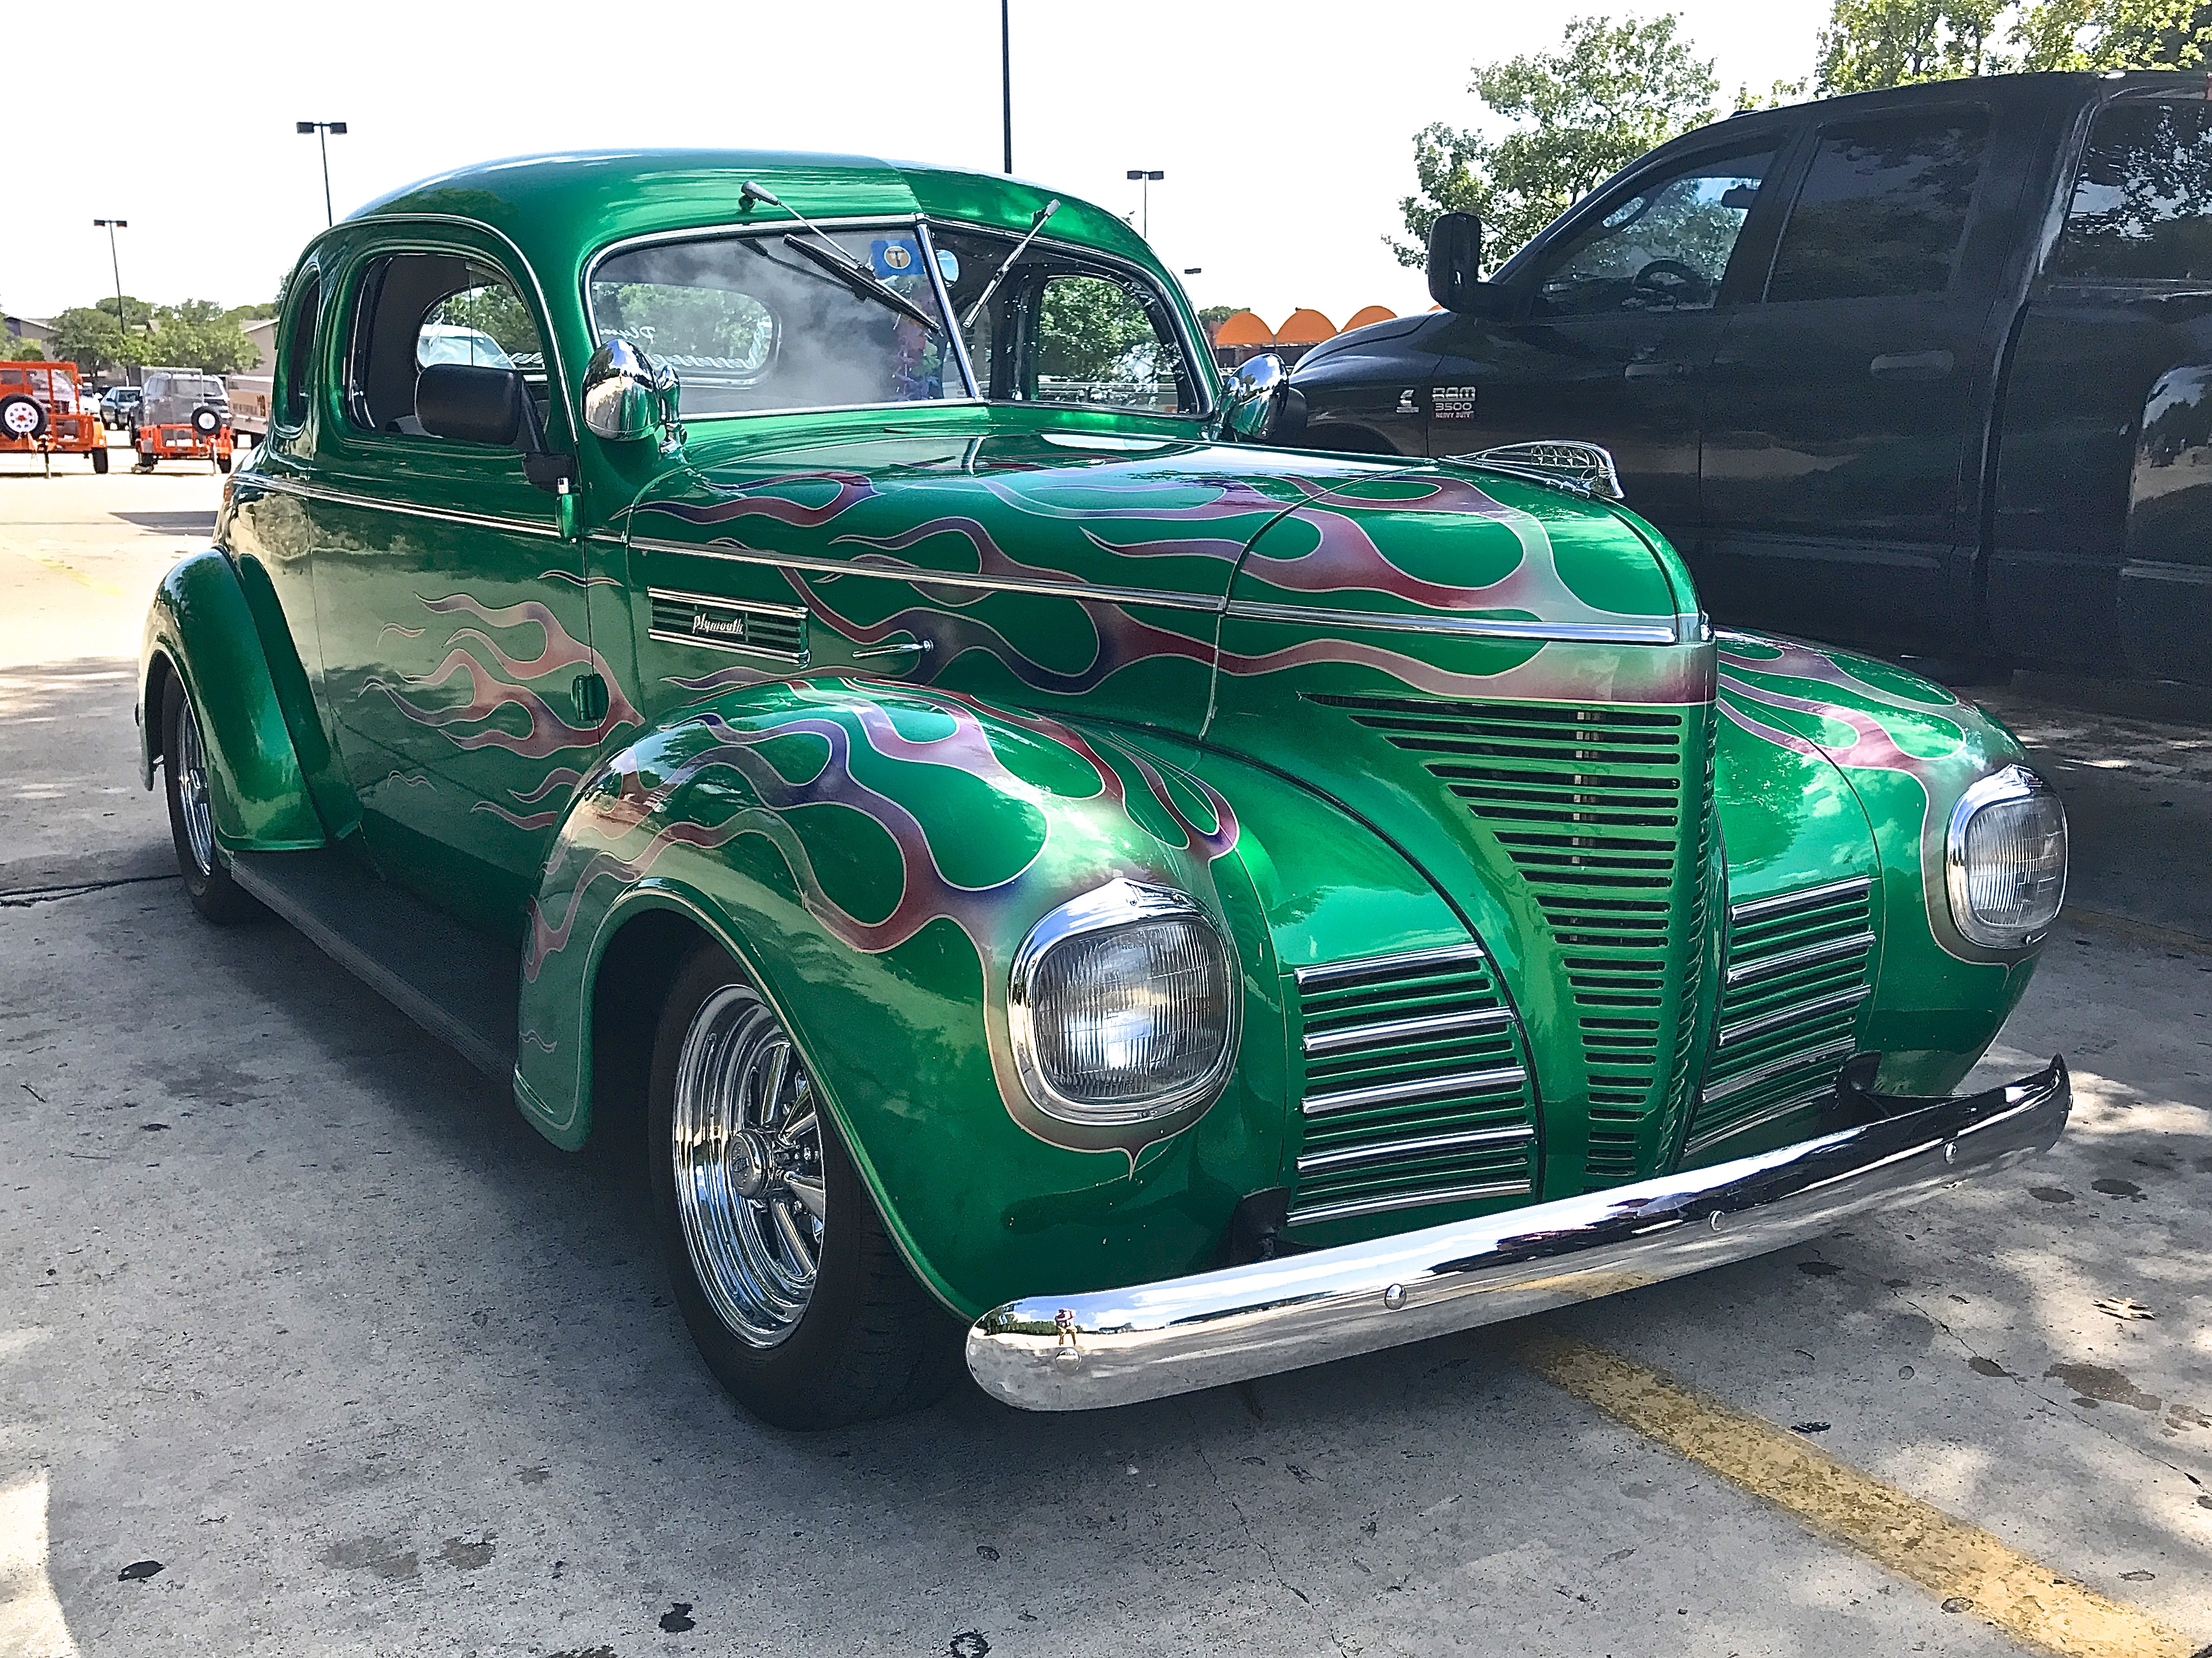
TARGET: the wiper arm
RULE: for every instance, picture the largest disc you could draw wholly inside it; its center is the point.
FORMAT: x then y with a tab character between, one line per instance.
998	275
841	265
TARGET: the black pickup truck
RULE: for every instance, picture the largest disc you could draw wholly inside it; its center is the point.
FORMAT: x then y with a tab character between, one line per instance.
1929	370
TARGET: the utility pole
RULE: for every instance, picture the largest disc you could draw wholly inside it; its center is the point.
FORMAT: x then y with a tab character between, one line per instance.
115	263
322	129
1006	80
1148	179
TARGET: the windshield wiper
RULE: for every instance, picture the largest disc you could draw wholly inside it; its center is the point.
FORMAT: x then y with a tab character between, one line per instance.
841	265
998	275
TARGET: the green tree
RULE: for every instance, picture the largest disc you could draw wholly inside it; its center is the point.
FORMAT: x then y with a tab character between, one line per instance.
1870	43
1087	328
89	337
14	348
1611	92
2115	34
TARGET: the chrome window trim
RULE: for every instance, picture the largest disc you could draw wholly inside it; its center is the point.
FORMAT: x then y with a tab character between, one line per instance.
1583	632
521	526
1070	589
1118	903
2014	782
920	221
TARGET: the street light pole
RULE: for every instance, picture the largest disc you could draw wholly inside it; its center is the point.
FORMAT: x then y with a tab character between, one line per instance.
115	263
322	129
1006	80
1139	172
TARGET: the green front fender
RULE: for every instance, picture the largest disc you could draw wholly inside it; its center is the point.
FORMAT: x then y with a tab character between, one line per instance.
874	855
200	628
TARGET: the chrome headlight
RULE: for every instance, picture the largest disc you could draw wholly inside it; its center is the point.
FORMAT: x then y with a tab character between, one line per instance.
1122	1005
2005	860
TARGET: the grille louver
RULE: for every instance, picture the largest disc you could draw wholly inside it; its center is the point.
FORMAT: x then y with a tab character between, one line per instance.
1416	1087
1797	969
729	624
1591	805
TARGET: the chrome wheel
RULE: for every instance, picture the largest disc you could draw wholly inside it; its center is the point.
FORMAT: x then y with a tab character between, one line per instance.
747	1151
189	765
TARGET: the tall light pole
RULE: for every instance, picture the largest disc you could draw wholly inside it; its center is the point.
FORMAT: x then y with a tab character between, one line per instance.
322	129
1006	80
115	263
1148	178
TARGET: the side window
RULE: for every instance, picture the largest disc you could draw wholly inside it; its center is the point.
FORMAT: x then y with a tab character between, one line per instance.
416	309
1665	248
1883	208
300	351
2142	205
1096	341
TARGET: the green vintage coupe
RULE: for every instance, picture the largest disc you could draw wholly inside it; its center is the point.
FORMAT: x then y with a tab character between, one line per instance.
806	662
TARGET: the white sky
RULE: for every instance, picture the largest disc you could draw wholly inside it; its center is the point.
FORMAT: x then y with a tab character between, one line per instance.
1284	158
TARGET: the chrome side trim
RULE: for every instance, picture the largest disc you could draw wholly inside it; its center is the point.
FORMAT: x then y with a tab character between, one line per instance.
1472	627
1345	1211
1148	1340
1806	898
517	526
1396	1031
1353	1156
1837	1051
1082	592
1419	1088
1733	1034
1765	967
1406	962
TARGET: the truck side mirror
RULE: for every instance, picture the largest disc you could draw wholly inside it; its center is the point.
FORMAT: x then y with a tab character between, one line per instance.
1454	258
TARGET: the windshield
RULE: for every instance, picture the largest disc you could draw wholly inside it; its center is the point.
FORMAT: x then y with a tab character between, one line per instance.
750	323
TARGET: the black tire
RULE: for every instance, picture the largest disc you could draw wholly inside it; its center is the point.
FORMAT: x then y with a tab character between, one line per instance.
199	859
99	460
870	1342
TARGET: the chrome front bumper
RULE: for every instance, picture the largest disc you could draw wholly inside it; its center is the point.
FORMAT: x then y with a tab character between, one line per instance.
1116	1346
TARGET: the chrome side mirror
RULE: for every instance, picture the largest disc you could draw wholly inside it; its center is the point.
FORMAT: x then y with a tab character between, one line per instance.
629	396
1255	399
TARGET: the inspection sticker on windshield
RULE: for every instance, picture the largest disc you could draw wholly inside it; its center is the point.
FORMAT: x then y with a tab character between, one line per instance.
893	256
1452	402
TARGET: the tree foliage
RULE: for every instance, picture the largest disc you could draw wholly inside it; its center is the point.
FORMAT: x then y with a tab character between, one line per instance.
1611	92
196	334
1871	44
1089	329
2115	34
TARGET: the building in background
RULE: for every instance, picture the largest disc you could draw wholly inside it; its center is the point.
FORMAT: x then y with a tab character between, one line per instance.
1242	336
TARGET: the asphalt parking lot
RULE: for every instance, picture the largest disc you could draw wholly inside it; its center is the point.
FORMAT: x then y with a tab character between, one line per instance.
294	1305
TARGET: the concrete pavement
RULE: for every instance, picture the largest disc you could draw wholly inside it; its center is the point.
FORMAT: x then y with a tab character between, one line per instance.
294	1305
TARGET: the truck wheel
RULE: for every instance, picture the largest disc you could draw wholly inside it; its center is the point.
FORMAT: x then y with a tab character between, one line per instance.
22	417
796	1296
99	460
191	815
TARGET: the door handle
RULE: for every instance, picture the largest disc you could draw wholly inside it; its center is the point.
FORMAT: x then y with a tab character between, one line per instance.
1910	366
1657	371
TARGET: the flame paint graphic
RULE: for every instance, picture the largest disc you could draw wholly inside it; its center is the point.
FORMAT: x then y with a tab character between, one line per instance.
548	733
927	893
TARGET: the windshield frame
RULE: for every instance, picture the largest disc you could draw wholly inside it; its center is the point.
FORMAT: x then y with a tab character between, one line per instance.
920	224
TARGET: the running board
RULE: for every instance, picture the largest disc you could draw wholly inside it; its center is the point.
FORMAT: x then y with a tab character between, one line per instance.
458	985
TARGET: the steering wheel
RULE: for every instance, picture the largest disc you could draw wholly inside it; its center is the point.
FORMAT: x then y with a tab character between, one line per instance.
1670	282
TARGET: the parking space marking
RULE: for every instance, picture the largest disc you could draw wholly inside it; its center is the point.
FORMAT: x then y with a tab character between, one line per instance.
1950	1558
75	575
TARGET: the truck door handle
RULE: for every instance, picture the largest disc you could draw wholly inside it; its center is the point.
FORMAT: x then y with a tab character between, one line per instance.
1657	371
1910	366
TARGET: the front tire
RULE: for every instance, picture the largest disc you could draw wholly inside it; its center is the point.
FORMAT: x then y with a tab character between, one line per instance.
795	1294
99	460
191	814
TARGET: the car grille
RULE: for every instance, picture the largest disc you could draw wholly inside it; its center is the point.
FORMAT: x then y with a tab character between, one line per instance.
1591	805
1416	1088
1797	970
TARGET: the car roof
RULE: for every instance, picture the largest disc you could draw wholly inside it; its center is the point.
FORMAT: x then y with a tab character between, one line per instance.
583	199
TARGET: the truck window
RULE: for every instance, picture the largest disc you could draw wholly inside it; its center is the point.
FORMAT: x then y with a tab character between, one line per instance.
2142	204
1663	247
1883	208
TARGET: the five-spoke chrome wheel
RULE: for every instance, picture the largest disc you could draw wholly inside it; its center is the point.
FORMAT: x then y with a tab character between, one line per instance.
746	1146
191	763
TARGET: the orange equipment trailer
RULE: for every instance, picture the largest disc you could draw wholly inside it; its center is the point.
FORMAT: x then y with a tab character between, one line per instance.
185	416
42	413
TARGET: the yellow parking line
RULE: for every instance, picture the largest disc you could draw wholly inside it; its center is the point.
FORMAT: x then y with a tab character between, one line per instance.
1919	1542
75	574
